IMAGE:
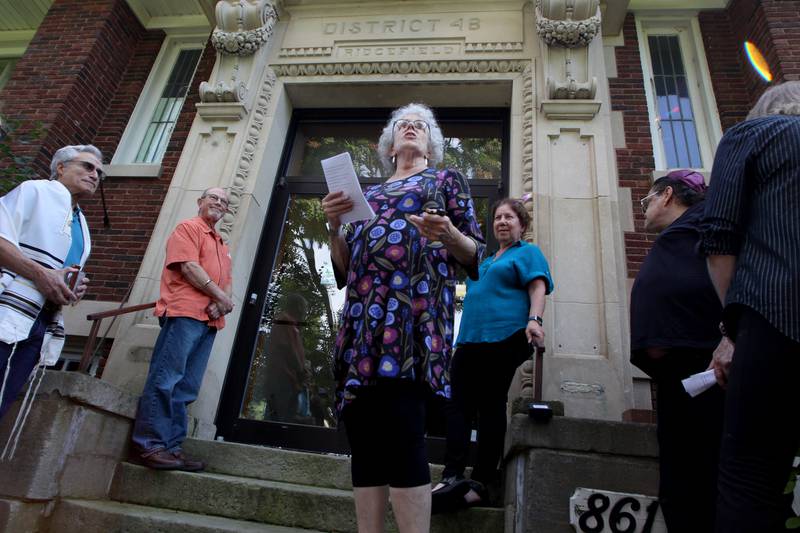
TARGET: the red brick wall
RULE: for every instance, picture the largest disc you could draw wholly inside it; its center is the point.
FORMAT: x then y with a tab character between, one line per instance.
723	48
127	94
772	25
69	73
783	23
134	203
83	86
635	162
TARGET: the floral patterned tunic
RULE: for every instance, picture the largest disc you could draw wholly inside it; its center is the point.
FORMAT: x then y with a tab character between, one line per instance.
397	320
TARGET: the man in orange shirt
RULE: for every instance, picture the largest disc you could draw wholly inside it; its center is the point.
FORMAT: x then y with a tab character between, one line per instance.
195	297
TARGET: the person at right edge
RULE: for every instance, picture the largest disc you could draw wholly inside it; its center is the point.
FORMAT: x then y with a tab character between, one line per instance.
502	318
674	318
750	235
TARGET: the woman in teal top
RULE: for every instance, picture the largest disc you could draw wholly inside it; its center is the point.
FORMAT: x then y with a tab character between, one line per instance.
502	318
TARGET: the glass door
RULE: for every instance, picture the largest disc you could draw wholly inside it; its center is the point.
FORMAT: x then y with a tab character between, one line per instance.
280	389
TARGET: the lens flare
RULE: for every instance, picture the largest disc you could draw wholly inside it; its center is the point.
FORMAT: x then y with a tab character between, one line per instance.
757	60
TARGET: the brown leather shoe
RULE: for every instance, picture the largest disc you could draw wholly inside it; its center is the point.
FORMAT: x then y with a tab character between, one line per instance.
189	465
159	459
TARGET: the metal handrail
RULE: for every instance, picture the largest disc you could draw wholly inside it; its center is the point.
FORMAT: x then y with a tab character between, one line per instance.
96	318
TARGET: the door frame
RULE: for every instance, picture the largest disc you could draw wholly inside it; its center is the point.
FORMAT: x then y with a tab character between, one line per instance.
230	426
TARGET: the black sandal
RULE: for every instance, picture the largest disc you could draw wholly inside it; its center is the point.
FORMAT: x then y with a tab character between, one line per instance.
450	497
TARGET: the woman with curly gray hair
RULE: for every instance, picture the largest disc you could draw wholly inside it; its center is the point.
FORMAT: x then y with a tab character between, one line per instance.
396	327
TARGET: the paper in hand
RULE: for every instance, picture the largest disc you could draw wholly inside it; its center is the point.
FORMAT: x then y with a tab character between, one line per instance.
341	176
701	382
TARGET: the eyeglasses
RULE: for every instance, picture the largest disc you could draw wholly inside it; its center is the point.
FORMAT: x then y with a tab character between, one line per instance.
214	198
645	202
90	167
402	124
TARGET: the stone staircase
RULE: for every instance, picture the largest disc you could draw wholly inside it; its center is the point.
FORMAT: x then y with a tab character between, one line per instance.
244	489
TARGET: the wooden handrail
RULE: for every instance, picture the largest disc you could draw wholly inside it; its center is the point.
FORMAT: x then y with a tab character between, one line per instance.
121	311
96	318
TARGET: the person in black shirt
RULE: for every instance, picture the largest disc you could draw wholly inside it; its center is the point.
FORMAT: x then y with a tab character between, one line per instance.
751	237
674	318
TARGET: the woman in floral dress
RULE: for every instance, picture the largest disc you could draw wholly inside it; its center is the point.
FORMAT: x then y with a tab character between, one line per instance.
396	331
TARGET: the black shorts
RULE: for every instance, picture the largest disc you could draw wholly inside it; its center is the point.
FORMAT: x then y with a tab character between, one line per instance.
385	426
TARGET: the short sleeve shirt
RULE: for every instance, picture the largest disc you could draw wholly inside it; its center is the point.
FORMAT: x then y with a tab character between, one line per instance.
497	305
193	240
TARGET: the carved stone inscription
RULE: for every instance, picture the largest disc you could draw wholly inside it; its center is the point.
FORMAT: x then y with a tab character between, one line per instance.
469	27
400	26
400	51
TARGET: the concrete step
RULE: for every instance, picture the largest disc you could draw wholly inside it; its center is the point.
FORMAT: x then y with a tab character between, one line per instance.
269	502
261	462
92	516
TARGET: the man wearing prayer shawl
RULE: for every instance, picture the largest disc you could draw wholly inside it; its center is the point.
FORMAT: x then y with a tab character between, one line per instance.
44	241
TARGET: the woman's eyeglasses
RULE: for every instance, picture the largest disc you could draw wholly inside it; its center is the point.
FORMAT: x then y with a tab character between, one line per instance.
89	167
416	124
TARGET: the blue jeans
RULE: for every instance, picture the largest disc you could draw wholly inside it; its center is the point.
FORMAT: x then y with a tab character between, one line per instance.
26	356
176	372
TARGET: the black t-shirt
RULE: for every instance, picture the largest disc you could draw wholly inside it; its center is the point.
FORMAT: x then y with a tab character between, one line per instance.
673	303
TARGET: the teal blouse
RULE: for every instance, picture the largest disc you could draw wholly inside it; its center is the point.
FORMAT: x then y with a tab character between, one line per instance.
497	305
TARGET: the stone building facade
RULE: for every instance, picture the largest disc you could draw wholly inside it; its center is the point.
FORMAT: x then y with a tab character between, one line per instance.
576	85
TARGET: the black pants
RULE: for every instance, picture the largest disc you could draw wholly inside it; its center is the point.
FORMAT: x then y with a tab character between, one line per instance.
762	428
26	356
385	427
689	433
480	375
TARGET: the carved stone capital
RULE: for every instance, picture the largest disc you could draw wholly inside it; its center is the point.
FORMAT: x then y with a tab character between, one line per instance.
567	23
571	89
243	26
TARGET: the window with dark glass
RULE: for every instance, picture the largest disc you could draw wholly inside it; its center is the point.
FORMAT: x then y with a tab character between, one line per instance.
676	120
168	108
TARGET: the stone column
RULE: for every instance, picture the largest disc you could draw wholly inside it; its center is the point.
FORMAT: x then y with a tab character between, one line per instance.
225	147
577	217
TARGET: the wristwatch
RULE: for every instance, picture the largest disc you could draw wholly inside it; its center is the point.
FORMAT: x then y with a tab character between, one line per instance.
537	318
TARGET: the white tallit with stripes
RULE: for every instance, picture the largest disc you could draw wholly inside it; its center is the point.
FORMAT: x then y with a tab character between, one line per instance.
36	217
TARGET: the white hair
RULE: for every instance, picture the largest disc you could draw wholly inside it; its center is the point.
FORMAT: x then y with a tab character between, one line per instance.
435	137
781	99
68	153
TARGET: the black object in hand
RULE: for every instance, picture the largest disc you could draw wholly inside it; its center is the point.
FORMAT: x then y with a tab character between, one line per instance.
540	412
435	211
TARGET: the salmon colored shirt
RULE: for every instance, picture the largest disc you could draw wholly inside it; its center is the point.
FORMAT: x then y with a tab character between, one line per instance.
193	240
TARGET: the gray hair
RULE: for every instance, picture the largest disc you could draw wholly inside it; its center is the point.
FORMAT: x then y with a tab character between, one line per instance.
205	192
68	153
782	99
435	137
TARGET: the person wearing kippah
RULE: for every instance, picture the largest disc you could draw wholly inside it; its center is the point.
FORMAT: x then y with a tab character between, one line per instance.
674	331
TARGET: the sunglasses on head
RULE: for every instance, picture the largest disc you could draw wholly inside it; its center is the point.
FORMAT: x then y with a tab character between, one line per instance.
89	167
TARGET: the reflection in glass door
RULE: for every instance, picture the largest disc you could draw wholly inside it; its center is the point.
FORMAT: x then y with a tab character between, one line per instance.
279	389
291	373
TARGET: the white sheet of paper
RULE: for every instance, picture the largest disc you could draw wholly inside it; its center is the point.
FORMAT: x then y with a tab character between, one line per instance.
701	382
341	176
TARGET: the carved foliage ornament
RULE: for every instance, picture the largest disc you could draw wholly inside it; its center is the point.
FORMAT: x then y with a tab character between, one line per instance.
244	41
566	33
